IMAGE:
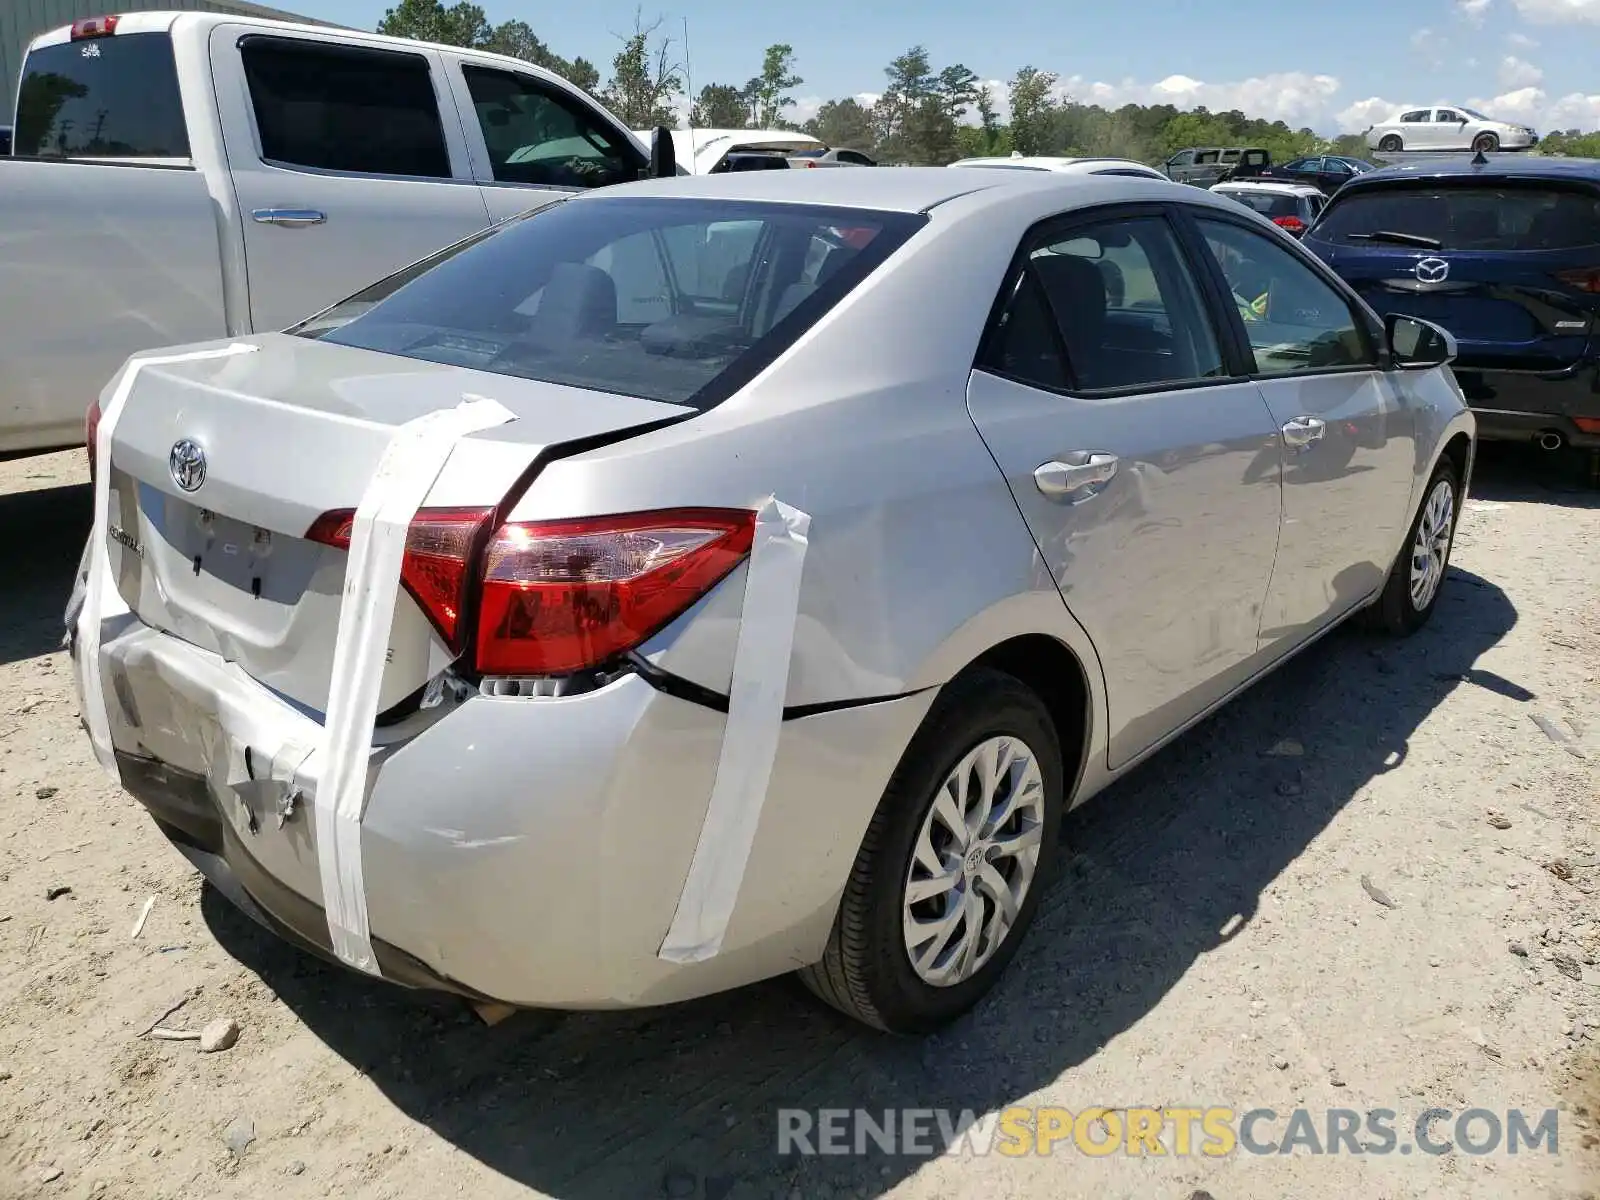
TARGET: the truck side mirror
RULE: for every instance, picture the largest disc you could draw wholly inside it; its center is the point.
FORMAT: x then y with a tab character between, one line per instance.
663	155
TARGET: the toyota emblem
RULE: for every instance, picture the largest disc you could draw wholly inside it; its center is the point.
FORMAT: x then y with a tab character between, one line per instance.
1433	270
187	462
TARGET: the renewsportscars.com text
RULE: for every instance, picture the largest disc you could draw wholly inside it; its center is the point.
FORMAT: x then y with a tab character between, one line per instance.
1212	1132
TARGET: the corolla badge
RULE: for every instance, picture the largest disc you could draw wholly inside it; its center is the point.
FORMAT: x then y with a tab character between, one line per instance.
1432	270
187	462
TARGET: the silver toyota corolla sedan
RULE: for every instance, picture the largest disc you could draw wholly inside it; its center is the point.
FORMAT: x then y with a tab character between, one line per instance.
711	578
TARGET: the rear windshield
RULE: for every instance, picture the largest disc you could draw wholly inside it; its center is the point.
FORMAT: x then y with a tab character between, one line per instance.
1268	204
673	300
108	97
1465	218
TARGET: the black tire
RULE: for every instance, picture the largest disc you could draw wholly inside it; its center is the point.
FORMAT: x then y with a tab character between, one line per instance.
1395	612
1391	144
1486	143
866	970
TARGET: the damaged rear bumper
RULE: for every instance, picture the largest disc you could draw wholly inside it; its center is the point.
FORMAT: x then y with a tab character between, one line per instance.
526	849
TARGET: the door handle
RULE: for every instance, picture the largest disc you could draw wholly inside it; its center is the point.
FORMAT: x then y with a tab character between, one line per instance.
1303	431
1085	470
290	217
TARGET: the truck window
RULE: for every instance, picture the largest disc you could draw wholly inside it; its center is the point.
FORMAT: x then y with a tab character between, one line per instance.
110	97
343	108
539	135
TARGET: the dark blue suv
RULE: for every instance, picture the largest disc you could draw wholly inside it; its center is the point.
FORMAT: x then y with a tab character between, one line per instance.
1503	254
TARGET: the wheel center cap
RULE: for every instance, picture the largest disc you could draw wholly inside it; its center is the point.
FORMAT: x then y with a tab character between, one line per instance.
974	860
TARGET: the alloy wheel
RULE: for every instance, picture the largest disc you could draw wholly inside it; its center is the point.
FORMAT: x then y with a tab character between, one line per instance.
1431	549
973	862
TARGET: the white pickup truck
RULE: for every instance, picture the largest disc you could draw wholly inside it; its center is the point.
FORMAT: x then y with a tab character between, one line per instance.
182	176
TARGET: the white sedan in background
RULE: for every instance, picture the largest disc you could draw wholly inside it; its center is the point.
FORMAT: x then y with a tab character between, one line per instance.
1070	166
1452	127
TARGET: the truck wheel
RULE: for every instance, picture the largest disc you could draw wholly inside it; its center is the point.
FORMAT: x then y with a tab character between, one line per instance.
952	867
1391	144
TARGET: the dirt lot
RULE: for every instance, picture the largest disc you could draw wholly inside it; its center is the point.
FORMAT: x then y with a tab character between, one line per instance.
1400	916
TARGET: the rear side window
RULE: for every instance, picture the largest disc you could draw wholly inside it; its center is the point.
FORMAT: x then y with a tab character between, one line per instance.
539	135
674	300
337	108
109	97
1466	218
1114	304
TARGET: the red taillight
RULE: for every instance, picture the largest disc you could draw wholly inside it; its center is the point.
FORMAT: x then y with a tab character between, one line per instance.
1292	224
91	434
1585	279
561	596
1587	424
93	27
438	556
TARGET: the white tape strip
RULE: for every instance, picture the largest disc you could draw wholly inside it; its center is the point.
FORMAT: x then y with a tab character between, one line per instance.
101	598
411	463
749	738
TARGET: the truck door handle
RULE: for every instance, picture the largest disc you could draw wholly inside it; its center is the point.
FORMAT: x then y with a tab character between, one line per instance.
291	217
1085	470
1303	431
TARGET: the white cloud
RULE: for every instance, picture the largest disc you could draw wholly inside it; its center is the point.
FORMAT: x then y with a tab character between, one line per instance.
1516	73
1364	113
1523	42
1533	106
1474	10
1559	12
1429	44
1295	97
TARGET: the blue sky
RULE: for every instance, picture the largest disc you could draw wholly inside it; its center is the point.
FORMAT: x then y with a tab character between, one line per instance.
1333	68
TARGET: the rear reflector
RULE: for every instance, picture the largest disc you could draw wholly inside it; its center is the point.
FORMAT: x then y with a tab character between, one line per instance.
1587	424
91	434
1292	224
93	27
1585	279
437	561
563	596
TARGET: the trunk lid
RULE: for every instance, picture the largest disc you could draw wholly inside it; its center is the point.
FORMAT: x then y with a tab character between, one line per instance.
291	432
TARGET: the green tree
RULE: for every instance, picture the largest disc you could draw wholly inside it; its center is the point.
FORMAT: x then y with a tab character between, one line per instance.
462	24
765	93
720	106
644	78
1033	106
845	124
911	81
988	140
517	39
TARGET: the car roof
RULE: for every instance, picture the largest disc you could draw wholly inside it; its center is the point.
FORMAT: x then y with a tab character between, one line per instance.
1519	167
894	189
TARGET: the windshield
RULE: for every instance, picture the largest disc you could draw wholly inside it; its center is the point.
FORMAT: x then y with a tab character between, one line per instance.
1476	116
1465	217
672	300
1268	204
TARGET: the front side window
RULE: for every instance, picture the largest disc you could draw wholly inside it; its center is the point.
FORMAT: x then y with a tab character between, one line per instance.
538	135
678	300
107	97
342	108
1294	319
1122	306
1446	116
1181	160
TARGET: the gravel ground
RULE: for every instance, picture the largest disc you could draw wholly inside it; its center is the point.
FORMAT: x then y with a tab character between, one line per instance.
1400	916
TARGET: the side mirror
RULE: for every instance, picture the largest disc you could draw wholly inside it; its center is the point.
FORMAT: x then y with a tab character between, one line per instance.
1416	345
663	155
